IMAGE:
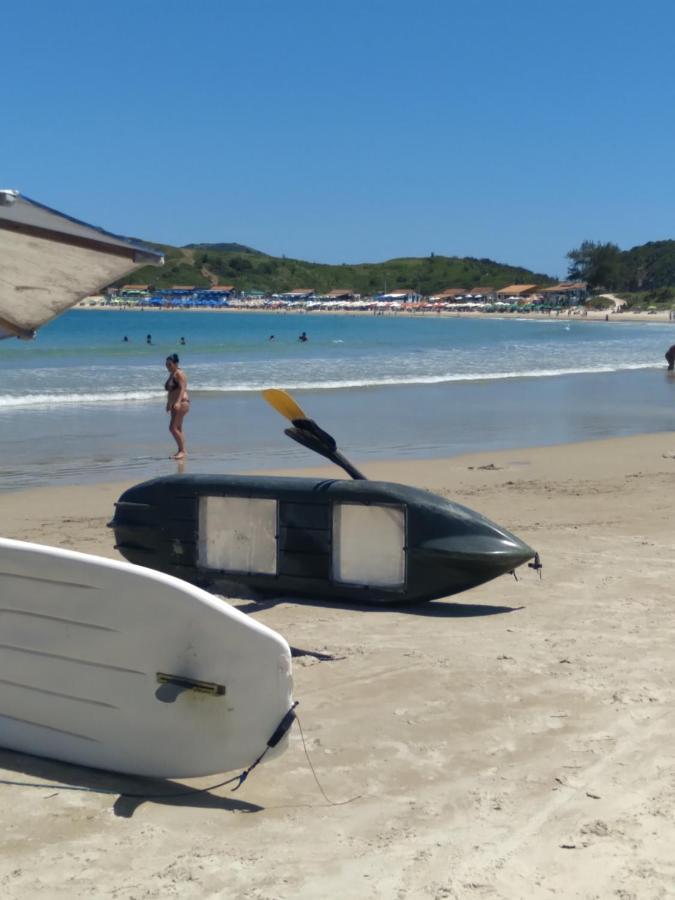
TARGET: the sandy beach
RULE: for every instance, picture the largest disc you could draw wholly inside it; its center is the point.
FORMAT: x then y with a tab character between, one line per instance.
513	742
576	314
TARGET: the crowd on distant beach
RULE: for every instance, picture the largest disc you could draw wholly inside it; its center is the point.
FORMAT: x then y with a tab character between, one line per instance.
468	309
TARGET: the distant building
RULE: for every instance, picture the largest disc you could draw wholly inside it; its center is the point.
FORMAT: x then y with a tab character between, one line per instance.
341	294
567	293
485	291
448	295
219	290
517	291
297	294
129	293
402	295
135	288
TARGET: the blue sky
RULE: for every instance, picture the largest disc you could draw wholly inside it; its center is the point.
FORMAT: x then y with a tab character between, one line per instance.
350	131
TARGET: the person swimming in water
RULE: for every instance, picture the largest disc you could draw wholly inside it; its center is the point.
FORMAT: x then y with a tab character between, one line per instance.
177	402
303	337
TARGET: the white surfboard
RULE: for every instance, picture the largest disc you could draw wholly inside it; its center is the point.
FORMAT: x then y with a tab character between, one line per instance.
87	643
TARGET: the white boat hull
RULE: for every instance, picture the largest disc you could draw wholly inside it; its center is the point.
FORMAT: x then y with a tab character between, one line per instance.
50	261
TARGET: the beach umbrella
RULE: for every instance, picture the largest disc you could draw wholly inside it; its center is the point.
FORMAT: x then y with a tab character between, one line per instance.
51	261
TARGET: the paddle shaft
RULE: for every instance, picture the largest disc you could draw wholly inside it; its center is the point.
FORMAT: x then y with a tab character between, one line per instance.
306	432
312	442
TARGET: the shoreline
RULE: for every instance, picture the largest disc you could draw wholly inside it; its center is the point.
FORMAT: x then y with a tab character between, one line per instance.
510	736
579	316
237	432
24	509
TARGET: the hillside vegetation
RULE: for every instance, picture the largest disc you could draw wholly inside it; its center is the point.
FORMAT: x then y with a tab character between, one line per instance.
643	276
248	269
648	268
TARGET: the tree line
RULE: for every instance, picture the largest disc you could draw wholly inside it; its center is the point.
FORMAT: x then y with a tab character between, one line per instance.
605	267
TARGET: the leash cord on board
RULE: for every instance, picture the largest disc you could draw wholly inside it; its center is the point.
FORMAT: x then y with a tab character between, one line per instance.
316	778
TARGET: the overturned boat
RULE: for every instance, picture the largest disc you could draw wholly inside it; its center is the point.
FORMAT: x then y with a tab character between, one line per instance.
365	541
326	539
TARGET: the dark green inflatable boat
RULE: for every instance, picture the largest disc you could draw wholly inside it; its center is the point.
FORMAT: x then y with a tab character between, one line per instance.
365	541
328	539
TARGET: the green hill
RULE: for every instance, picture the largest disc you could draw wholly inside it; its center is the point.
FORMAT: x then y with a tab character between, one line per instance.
225	248
249	269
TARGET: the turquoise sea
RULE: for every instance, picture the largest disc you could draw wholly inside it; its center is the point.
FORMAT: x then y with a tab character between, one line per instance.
80	404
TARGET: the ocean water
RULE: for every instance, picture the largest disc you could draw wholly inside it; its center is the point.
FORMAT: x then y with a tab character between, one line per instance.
80	404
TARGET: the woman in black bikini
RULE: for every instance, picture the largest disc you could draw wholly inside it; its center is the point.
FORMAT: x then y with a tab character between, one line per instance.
177	402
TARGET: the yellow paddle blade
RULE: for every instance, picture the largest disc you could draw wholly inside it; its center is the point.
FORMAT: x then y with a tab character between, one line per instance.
284	404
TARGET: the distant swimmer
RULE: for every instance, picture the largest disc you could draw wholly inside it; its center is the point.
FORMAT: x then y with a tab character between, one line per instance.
271	337
125	339
183	341
303	337
148	339
670	358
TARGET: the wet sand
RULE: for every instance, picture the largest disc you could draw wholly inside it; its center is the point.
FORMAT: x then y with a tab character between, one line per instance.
515	741
235	432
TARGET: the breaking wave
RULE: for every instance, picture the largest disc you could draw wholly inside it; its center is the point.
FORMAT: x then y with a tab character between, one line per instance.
54	399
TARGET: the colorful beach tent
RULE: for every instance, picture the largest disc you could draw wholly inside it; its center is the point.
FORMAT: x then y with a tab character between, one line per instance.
49	261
